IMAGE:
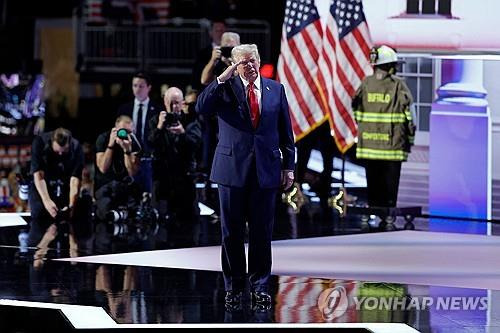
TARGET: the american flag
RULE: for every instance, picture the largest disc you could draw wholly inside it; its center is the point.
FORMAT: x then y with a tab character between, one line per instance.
343	63
298	65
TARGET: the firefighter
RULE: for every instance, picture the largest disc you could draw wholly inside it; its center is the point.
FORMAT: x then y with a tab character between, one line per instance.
385	127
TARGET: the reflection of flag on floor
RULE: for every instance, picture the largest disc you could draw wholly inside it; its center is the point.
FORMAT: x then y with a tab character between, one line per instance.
297	300
343	63
297	65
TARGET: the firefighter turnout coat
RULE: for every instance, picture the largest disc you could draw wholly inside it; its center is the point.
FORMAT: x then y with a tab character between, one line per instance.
382	110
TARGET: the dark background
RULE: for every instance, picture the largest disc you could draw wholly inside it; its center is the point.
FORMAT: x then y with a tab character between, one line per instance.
17	21
17	35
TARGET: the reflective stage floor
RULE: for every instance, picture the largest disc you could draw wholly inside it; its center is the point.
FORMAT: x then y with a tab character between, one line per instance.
326	270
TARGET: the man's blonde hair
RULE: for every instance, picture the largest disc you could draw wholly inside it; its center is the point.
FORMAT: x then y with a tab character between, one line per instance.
241	50
123	117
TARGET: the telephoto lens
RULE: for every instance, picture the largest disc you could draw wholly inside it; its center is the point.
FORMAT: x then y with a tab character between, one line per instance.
23	187
23	192
117	215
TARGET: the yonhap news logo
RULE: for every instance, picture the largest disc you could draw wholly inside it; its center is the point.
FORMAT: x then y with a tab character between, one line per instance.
333	303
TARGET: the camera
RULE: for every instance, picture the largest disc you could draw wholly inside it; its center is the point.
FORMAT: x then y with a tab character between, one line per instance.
122	133
117	215
23	186
140	220
226	51
172	119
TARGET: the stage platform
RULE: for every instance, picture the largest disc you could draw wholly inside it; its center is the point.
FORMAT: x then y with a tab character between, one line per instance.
318	258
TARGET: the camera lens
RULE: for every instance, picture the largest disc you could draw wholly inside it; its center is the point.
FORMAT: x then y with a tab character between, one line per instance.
122	133
23	192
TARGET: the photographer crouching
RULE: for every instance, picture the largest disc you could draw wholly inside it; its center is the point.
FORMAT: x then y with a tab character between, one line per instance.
175	138
56	164
117	161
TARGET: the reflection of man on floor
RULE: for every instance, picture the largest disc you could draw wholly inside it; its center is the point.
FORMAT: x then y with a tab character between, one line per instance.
119	300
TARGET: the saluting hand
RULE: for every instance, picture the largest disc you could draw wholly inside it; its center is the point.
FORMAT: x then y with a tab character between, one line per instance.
229	72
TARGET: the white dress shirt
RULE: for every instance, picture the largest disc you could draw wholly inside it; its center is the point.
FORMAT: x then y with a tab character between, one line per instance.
256	89
144	113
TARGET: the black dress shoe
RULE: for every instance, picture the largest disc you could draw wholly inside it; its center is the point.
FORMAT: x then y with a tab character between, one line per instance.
261	299
233	297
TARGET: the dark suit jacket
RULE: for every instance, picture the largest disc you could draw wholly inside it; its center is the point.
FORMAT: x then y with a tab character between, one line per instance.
153	111
239	143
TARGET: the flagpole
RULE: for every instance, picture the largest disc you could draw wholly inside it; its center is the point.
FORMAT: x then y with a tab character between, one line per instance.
339	201
343	172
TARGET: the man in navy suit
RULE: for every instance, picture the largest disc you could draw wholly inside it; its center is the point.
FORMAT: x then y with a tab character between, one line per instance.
141	110
255	156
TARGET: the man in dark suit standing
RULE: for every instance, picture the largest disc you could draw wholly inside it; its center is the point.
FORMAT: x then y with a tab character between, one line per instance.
254	157
141	110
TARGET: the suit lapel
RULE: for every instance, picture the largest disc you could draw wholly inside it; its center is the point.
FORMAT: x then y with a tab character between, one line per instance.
265	94
264	91
239	92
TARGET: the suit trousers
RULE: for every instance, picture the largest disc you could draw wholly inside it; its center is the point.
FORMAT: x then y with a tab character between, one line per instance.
256	206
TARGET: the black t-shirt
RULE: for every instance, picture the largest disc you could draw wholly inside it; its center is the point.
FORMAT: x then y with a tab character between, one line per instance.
117	170
58	169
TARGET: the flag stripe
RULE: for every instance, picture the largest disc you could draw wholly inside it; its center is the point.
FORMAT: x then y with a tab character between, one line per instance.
316	39
291	68
292	103
297	98
310	87
343	63
363	45
308	71
302	36
351	58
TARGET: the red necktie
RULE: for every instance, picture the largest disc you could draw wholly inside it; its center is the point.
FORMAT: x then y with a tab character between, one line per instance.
254	105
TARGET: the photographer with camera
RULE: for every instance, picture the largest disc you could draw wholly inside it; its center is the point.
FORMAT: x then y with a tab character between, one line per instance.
56	165
221	57
219	61
175	137
217	28
117	161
